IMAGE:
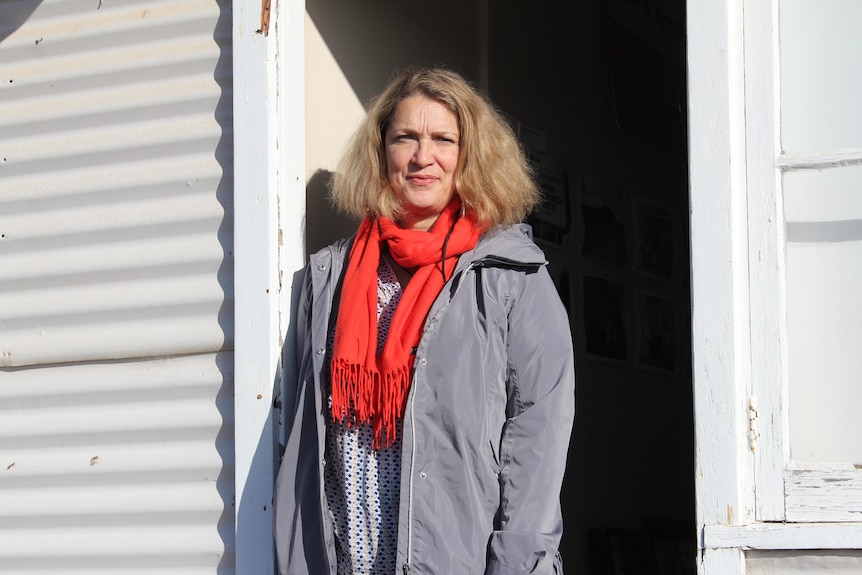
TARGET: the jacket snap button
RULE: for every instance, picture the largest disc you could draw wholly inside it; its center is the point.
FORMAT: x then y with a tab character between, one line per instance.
423	475
321	267
423	361
320	351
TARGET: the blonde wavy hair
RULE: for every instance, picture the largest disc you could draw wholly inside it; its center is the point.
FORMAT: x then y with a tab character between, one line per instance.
493	178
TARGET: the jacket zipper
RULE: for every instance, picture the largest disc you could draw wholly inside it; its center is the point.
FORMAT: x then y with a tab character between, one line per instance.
493	261
406	567
333	271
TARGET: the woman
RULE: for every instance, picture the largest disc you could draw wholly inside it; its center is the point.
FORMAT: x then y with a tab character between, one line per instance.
435	385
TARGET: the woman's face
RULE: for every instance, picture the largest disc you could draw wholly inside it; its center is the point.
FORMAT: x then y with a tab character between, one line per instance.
422	145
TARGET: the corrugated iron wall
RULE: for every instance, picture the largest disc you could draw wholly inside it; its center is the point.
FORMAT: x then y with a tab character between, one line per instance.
115	180
118	468
116	289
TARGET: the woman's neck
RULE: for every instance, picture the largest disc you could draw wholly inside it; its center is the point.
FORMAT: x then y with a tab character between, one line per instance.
403	274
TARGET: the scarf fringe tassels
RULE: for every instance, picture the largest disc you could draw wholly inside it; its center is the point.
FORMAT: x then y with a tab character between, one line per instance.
372	397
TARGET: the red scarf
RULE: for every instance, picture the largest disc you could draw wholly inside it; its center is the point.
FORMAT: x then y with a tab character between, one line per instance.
367	387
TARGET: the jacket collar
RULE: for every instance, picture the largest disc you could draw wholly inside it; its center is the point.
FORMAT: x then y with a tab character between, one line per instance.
504	246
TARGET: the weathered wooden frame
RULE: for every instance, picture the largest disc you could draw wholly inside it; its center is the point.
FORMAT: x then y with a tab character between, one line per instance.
750	495
269	208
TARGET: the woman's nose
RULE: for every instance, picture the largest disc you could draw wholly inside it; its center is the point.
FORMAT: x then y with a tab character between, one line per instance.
424	153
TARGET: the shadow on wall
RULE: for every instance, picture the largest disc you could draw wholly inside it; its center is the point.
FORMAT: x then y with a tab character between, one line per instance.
15	14
329	224
368	65
225	484
225	448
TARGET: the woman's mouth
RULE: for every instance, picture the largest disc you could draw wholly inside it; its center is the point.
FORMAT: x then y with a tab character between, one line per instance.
422	180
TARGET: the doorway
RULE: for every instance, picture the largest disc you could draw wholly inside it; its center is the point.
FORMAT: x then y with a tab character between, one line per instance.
596	90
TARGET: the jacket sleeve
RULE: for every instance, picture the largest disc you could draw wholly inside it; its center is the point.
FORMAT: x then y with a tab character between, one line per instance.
297	526
540	414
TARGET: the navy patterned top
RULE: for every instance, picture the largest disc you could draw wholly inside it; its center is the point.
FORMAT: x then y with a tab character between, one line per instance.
362	484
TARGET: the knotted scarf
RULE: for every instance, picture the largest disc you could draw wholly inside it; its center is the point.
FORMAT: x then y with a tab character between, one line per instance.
372	388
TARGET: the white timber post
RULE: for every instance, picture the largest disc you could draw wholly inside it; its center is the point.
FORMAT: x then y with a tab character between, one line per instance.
269	204
290	62
269	211
719	252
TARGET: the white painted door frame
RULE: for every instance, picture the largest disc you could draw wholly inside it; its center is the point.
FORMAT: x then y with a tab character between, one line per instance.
269	192
269	208
719	268
737	291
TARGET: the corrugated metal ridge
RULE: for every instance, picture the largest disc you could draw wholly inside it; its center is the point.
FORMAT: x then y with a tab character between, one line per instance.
115	181
126	466
116	244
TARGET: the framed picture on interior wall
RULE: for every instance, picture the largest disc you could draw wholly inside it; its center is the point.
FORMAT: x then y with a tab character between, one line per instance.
604	316
654	239
657	342
552	219
604	221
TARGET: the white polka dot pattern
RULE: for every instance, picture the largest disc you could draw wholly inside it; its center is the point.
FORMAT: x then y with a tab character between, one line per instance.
363	484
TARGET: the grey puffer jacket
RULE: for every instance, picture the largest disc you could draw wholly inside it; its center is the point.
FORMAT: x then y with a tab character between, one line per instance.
486	428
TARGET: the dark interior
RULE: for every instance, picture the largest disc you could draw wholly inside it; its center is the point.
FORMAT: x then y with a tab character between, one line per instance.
596	90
